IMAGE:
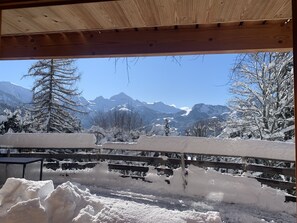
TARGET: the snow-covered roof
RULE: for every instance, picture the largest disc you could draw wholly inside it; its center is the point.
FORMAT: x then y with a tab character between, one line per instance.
213	146
48	140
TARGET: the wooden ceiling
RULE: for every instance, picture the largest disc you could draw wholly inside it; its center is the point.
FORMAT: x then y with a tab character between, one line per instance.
125	14
56	28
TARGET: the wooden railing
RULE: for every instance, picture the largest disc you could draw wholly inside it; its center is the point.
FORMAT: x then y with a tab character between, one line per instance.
224	155
137	165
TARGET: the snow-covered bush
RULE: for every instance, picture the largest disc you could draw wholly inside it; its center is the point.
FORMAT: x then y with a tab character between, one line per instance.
13	121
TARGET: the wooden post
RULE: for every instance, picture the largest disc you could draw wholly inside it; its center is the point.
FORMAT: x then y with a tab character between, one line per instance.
0	27
294	20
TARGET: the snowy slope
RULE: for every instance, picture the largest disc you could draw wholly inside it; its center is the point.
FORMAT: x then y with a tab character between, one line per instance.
161	107
204	111
21	94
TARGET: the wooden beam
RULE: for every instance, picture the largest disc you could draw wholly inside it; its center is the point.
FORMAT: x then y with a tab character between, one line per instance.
294	18
8	4
0	27
227	39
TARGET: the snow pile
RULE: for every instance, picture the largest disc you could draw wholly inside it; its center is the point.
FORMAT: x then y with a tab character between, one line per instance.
19	196
218	187
207	185
38	202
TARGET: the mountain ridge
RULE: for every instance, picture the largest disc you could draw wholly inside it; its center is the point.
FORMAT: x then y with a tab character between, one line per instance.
16	96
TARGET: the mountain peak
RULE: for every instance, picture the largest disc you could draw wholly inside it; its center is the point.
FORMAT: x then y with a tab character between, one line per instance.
121	96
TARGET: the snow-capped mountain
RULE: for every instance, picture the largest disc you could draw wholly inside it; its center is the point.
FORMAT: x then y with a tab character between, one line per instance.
121	99
161	107
13	96
202	111
116	101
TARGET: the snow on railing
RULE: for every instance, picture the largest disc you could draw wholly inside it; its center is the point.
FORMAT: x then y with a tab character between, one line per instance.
211	146
48	140
178	144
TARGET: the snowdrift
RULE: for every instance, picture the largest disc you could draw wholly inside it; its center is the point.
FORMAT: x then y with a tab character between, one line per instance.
38	202
204	184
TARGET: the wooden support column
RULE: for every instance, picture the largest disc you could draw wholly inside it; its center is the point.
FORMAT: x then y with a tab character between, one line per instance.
0	27
294	16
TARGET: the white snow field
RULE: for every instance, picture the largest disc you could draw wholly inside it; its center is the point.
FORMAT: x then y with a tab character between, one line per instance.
208	197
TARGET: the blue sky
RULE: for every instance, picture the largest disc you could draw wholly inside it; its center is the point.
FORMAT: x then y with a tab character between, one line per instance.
186	81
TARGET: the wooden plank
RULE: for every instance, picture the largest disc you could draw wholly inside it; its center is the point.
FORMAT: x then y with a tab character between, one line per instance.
128	167
0	27
294	15
124	14
275	183
234	166
271	170
8	4
249	38
90	156
159	161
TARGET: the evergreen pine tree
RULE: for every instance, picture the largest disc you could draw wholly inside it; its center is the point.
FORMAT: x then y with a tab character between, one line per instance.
53	95
166	127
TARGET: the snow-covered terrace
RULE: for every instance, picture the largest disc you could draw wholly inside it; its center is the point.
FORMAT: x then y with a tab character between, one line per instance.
207	187
64	28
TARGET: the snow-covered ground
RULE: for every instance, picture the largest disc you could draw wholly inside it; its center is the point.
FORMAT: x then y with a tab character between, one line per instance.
38	202
209	196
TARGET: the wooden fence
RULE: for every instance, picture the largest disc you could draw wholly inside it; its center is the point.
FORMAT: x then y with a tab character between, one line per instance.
137	165
271	163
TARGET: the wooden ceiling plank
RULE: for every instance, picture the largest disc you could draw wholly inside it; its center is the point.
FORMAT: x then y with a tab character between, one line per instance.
148	10
23	20
15	4
264	10
116	15
141	43
200	11
267	9
167	11
79	18
132	13
50	19
284	9
100	14
181	10
141	13
232	10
